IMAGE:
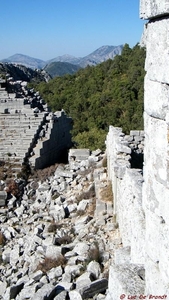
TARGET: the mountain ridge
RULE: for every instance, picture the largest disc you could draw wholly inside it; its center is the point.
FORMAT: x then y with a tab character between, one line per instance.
99	55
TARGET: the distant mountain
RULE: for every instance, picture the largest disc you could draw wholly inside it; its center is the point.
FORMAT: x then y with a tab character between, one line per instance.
61	68
66	58
27	61
101	54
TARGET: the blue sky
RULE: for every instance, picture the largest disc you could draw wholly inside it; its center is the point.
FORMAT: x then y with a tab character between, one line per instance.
48	28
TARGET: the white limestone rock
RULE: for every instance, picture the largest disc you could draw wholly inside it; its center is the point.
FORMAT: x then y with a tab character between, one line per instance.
53	251
54	273
14	255
75	295
83	281
94	269
81	248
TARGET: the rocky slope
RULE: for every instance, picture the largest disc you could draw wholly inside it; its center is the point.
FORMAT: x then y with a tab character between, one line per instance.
58	238
21	72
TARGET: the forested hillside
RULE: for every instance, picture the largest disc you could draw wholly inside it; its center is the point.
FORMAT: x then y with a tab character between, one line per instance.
110	93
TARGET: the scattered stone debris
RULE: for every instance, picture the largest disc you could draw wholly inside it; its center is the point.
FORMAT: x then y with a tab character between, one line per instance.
56	242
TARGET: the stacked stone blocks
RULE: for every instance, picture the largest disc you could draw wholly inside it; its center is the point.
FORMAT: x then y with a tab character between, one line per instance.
127	182
156	122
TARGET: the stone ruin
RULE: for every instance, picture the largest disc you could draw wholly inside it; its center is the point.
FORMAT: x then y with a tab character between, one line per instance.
140	269
140	265
29	132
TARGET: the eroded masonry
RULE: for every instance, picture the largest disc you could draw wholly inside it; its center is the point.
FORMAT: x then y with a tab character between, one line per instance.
141	204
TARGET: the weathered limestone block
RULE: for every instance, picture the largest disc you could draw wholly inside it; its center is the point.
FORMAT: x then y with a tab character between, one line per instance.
152	105
156	150
156	40
125	279
153	8
157	244
78	154
130	215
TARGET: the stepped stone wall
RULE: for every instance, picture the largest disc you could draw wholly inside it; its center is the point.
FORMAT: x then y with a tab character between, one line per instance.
56	141
28	131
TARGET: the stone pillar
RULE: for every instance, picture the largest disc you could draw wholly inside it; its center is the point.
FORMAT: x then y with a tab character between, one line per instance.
156	150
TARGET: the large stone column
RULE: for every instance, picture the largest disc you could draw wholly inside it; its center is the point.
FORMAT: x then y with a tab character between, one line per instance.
156	155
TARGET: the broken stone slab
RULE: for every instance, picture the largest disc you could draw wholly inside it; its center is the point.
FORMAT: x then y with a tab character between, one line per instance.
94	288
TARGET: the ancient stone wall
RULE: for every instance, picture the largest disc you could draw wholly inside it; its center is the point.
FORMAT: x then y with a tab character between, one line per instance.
142	211
127	187
156	122
124	156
